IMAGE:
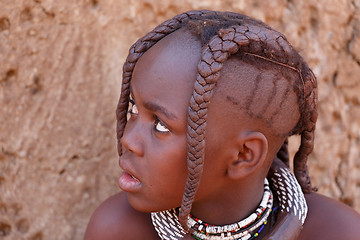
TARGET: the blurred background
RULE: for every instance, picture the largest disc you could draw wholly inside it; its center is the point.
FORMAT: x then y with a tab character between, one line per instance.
60	75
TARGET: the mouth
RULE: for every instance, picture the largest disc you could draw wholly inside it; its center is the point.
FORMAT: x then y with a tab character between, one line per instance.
129	183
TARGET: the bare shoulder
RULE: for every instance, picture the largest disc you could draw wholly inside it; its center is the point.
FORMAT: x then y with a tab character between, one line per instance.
329	219
115	219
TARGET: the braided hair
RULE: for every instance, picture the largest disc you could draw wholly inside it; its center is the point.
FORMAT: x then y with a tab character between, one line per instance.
224	34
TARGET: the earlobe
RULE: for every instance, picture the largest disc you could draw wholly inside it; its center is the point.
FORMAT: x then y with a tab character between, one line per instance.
251	154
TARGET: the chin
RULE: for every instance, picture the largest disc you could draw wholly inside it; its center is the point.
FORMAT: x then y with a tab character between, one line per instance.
137	203
148	206
141	204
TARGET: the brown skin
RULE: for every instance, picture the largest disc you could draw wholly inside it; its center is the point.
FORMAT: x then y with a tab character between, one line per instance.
327	219
239	151
148	152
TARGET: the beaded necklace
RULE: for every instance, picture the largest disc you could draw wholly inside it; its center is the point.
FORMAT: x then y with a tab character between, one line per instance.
288	193
168	226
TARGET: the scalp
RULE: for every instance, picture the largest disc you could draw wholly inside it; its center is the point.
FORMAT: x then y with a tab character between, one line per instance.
263	92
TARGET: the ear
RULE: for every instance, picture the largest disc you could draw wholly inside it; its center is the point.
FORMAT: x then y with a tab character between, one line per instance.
250	155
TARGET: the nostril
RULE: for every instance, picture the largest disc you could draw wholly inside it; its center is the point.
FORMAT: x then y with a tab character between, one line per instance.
119	147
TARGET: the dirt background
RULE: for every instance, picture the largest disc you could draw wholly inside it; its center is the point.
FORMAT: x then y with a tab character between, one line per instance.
60	74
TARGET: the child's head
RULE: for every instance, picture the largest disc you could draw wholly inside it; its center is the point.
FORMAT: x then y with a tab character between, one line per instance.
220	78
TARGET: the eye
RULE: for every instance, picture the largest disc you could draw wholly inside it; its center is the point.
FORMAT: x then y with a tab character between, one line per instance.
160	126
132	107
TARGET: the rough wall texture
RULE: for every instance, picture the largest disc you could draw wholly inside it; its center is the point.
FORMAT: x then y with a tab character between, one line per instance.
60	73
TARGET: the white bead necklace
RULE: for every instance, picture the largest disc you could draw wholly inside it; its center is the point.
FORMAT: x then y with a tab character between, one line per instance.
167	224
289	194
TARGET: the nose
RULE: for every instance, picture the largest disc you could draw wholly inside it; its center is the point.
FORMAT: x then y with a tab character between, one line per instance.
132	139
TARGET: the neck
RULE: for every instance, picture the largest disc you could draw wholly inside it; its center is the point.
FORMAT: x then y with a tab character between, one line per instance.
234	202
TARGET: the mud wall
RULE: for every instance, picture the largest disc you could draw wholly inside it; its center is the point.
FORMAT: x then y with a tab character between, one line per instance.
60	74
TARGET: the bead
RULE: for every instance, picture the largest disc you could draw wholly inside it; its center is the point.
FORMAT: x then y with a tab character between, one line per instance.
242	230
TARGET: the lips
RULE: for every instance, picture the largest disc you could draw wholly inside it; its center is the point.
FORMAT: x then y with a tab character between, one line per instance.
127	181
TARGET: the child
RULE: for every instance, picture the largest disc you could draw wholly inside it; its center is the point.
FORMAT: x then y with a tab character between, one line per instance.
214	96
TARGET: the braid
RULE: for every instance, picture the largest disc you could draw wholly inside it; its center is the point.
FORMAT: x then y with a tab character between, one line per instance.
213	57
223	35
248	39
308	120
283	153
135	52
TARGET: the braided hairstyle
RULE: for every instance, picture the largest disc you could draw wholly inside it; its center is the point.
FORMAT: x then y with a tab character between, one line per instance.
222	35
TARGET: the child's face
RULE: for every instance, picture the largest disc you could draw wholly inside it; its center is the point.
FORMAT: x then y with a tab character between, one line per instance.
154	140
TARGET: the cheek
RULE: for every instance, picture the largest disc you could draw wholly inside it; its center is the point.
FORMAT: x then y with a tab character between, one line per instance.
170	159
164	173
170	167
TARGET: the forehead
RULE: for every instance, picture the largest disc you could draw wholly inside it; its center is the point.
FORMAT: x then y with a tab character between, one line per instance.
167	71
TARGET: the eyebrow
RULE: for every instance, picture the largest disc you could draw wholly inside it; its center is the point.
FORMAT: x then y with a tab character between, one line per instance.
157	108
